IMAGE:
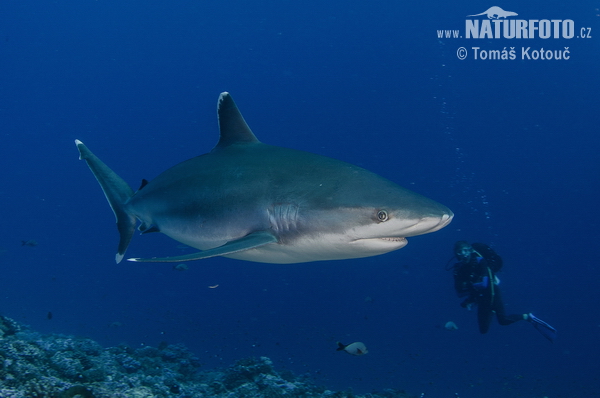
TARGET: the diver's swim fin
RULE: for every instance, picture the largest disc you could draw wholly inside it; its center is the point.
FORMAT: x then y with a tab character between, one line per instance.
548	331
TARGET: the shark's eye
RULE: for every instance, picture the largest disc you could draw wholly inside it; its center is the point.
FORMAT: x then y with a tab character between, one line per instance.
382	215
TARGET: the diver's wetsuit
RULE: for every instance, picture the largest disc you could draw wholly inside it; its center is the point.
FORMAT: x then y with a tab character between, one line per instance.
469	281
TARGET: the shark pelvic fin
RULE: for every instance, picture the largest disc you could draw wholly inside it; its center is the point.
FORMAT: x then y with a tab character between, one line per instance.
117	193
145	229
232	126
251	241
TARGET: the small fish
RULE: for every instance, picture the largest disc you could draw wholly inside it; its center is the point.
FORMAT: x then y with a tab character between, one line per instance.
450	326
49	315
30	243
356	348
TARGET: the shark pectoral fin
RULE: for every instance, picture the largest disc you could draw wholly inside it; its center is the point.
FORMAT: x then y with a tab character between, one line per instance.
251	241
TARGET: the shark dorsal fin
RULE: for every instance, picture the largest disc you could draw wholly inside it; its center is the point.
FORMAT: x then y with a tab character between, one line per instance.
232	126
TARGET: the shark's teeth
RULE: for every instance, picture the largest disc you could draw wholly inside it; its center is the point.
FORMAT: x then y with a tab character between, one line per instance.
385	238
393	238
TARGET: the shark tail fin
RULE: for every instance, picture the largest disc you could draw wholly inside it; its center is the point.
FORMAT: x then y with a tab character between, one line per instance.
117	192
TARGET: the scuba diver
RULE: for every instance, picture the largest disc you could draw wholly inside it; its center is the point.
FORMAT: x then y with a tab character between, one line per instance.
475	278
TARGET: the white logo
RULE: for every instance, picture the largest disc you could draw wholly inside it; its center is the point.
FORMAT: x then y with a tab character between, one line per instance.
497	28
501	24
495	13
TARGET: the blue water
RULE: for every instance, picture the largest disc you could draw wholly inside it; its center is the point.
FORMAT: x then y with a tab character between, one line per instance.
511	146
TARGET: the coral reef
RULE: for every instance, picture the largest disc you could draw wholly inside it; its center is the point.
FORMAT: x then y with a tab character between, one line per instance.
58	366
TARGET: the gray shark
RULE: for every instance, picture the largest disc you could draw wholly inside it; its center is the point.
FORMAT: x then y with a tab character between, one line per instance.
252	201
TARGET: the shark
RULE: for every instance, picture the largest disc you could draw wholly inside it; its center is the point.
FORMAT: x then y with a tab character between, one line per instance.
252	201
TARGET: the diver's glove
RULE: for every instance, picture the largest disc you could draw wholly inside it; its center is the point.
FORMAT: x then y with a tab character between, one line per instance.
483	284
468	303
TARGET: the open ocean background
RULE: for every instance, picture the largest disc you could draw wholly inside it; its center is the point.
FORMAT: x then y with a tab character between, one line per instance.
512	147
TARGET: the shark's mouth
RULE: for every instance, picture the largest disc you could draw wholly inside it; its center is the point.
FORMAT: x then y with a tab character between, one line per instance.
391	239
380	245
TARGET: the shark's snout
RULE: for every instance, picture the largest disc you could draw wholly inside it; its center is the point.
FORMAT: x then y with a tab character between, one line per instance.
421	225
431	224
443	221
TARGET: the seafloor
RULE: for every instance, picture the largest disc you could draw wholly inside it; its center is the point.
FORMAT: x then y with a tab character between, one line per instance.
58	366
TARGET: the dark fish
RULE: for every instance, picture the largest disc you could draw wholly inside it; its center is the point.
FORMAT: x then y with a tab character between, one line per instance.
30	243
356	348
49	315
